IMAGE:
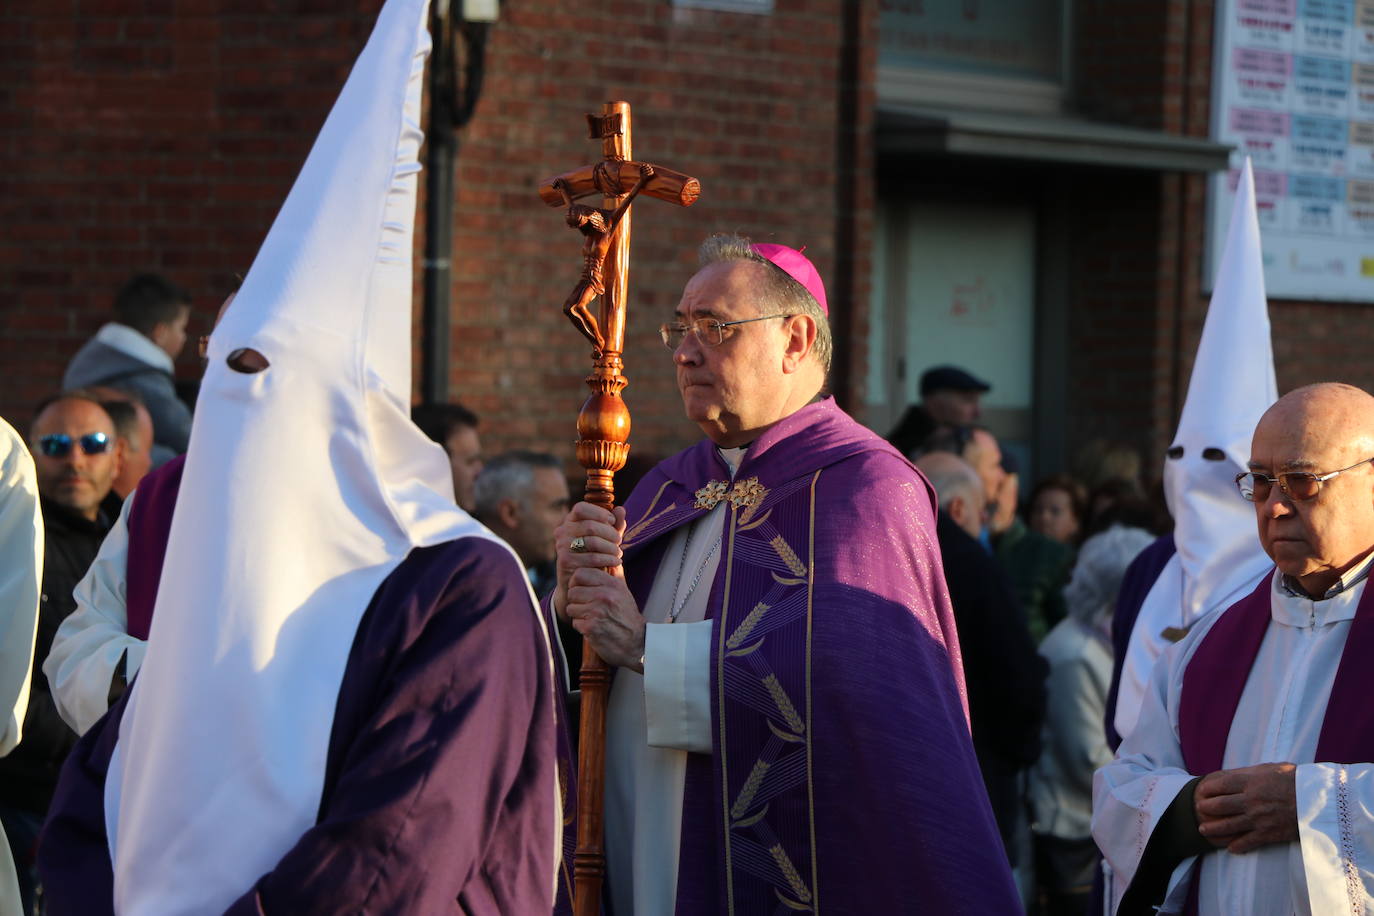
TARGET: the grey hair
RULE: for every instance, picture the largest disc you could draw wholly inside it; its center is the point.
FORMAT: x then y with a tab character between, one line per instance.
1102	561
780	292
951	476
508	476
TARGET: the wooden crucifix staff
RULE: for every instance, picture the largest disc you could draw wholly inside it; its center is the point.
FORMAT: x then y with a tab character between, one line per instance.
603	424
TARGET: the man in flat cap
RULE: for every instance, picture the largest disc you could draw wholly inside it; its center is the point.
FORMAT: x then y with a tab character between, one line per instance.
950	397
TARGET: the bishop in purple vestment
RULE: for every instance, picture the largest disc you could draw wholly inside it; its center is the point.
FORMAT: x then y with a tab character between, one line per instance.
788	727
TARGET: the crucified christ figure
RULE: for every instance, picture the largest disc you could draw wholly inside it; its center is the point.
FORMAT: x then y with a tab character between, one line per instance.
597	226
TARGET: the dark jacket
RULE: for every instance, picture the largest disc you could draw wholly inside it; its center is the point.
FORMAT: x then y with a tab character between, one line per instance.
29	773
97	363
1004	673
1038	568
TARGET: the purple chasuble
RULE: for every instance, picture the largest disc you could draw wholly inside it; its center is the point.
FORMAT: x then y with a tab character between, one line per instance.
150	523
842	776
1216	675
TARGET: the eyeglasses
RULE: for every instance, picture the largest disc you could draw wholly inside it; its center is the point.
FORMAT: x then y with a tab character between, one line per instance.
708	330
1296	485
59	445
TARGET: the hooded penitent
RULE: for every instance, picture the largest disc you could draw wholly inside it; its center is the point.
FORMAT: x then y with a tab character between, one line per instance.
1219	557
305	486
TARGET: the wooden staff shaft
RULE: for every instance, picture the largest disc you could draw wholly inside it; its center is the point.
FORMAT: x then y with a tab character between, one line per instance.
603	432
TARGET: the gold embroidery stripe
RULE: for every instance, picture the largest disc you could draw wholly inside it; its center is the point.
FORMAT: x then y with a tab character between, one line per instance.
789	872
789	712
723	757
751	788
648	520
747	626
789	556
810	724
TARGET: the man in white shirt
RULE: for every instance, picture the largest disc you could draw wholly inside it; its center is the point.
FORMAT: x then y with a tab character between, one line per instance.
1247	781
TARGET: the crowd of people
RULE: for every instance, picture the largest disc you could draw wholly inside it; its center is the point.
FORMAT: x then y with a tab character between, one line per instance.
1033	585
313	652
1032	589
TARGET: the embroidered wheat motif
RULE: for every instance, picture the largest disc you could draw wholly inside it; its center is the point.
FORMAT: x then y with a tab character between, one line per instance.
746	626
789	712
789	556
751	788
789	871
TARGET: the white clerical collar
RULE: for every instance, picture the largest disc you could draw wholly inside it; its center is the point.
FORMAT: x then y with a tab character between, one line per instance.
1353	576
732	458
126	340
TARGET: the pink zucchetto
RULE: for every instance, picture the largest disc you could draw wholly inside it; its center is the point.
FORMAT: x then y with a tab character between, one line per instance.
797	266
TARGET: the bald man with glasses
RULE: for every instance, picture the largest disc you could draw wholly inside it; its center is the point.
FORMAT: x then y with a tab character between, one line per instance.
1248	781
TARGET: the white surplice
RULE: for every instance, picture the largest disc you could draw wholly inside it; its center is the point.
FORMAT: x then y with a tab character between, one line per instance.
1330	869
654	720
94	637
21	575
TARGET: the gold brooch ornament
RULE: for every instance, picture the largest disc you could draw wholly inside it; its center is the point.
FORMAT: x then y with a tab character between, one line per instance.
711	494
747	494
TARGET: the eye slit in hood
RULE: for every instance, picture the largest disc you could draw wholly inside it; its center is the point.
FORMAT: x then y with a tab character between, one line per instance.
1212	453
1175	452
246	360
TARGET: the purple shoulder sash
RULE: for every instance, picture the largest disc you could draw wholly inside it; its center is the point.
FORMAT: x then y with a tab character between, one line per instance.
150	524
1216	675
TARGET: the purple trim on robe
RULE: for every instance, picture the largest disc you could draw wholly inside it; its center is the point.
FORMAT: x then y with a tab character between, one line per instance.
1215	678
843	776
150	524
1220	666
437	790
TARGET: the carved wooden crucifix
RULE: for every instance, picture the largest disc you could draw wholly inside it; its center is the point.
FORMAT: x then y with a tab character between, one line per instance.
603	424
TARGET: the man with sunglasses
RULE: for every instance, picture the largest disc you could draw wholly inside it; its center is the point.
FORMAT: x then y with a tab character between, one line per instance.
72	439
787	722
1247	782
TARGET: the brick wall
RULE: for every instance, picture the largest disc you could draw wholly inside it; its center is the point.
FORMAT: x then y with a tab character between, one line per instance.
1150	64
163	135
140	135
747	104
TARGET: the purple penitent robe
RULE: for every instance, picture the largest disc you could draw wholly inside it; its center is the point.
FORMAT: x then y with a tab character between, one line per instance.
842	776
150	524
437	792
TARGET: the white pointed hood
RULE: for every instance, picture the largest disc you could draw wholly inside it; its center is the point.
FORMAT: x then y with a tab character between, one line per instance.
305	486
1219	556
